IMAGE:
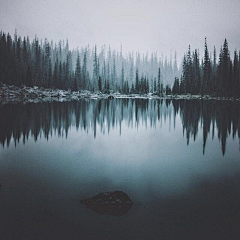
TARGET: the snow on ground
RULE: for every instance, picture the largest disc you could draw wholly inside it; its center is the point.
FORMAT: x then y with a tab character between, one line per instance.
10	93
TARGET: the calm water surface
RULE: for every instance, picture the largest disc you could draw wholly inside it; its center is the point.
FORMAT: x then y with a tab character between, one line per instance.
178	161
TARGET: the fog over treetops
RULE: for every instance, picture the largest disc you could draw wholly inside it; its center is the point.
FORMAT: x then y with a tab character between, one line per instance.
153	25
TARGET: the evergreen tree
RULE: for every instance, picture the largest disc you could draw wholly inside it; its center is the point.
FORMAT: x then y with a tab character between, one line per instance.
67	79
55	75
159	81
114	77
154	85
100	84
108	75
182	87
183	77
95	68
188	72
85	85
168	90
137	82
176	87
47	64
122	77
206	85
236	75
78	78
196	77
75	84
224	70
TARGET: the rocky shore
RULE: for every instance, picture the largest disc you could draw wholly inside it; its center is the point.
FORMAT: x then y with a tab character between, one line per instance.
11	93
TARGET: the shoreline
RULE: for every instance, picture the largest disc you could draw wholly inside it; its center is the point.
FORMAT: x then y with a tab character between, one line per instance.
11	93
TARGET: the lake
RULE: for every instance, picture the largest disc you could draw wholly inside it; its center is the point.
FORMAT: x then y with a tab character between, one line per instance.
178	161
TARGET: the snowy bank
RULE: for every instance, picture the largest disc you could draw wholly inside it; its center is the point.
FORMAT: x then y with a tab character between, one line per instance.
10	93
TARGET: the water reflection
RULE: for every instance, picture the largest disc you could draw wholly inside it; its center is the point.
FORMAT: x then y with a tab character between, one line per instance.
19	121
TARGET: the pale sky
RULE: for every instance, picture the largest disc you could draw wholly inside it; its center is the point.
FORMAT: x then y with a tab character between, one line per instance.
144	25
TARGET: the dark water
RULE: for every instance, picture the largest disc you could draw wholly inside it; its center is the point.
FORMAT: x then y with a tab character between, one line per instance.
178	161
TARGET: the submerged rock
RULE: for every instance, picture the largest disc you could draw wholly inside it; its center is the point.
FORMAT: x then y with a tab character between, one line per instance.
115	203
110	97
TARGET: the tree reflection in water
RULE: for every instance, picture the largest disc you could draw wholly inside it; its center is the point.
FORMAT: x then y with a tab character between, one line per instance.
20	121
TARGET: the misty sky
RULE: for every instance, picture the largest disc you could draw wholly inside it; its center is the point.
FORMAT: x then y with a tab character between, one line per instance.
153	25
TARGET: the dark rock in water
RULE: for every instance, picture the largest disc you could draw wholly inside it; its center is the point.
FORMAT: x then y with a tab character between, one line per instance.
32	95
110	97
109	203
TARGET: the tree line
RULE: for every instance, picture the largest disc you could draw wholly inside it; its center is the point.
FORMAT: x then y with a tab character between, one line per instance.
210	77
51	65
210	119
45	64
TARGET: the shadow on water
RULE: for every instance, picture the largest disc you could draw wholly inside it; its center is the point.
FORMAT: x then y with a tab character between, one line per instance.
19	121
